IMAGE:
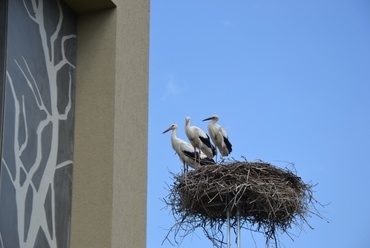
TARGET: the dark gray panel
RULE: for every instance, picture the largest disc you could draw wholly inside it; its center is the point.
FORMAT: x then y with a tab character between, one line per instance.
36	163
84	6
3	31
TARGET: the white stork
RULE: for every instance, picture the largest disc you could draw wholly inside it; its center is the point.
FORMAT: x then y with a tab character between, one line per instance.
199	139
219	136
185	151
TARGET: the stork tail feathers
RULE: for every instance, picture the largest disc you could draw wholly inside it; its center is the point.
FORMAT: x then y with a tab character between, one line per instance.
206	141
207	161
203	161
228	144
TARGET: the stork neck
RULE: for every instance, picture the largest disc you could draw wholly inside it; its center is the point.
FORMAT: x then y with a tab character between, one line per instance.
174	132
187	123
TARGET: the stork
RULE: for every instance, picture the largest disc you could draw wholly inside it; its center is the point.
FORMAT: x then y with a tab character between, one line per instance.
219	136
199	139
220	139
185	151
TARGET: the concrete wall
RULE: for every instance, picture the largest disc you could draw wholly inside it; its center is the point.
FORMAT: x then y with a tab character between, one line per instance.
111	118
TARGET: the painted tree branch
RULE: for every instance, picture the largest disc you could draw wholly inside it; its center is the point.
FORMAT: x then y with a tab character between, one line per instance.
63	164
24	144
33	86
64	60
47	128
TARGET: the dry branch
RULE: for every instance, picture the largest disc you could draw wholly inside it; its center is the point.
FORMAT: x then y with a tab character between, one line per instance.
269	199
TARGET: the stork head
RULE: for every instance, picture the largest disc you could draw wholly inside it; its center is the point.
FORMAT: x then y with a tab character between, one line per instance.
172	127
213	118
187	120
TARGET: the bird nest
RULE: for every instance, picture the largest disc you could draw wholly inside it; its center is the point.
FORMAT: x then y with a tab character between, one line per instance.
268	199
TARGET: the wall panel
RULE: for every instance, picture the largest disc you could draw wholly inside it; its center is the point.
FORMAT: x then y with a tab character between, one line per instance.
38	122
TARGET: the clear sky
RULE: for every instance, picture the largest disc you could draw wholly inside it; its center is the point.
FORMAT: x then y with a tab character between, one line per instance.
290	81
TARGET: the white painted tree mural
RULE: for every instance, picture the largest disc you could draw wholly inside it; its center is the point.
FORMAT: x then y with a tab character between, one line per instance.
33	175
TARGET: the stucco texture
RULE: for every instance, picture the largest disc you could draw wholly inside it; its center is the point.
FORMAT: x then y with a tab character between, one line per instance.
110	166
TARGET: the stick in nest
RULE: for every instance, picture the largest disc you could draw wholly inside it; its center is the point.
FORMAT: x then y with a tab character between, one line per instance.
269	199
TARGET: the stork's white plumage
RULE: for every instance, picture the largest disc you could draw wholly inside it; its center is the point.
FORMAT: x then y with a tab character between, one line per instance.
219	136
185	151
199	139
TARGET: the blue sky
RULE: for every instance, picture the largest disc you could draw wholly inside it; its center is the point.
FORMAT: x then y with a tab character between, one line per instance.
290	81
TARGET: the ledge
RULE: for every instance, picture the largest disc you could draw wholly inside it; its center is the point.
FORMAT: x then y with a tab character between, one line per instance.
84	6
